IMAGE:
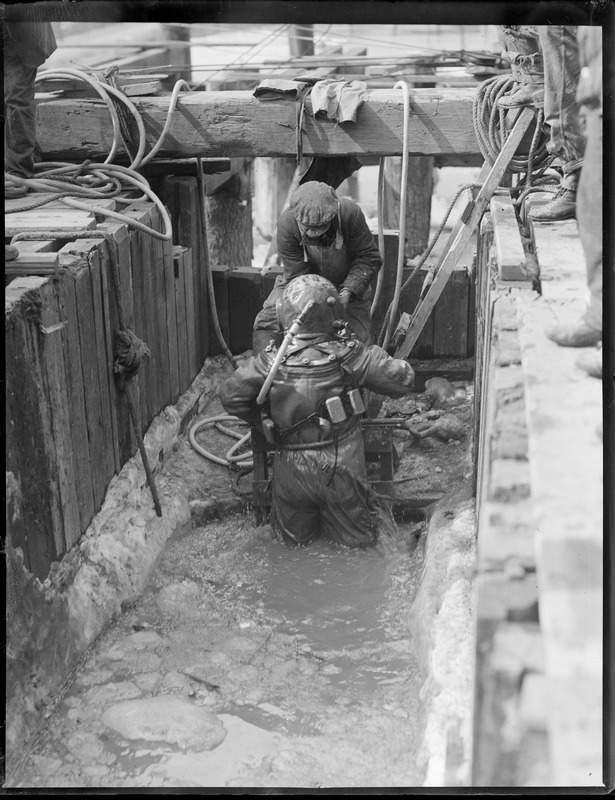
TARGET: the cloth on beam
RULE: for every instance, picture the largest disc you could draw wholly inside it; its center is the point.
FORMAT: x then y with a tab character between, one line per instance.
277	88
338	100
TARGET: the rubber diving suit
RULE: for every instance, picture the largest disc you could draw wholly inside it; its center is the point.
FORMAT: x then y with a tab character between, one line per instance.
319	483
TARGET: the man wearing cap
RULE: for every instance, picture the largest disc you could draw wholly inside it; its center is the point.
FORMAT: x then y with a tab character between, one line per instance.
323	234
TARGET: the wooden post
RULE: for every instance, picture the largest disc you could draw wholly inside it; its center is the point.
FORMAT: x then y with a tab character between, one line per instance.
272	179
229	221
179	56
301	40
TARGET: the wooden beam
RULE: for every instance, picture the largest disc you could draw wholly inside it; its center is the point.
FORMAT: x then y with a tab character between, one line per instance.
508	244
212	124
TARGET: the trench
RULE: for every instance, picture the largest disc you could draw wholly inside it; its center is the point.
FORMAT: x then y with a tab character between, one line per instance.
299	661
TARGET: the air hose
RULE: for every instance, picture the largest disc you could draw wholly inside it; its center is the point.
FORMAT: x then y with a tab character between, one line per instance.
380	204
262	395
231	459
402	217
89	181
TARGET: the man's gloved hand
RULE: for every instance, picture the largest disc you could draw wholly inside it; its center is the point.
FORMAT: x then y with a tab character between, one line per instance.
345	295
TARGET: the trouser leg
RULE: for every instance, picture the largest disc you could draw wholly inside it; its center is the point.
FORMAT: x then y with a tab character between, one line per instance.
19	122
522	48
560	53
589	216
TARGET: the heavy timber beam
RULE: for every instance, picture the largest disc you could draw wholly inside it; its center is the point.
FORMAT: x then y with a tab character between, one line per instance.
236	124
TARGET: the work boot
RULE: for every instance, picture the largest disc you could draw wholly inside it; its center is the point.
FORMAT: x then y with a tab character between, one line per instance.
562	206
521	48
12	190
10	252
591	362
577	334
524	94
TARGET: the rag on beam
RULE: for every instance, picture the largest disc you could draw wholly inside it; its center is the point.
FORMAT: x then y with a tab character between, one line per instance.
336	99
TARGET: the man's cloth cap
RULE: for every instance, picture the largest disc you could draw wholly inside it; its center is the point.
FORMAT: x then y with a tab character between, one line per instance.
314	205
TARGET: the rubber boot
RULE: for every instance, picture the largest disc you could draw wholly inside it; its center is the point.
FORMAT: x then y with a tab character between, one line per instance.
523	51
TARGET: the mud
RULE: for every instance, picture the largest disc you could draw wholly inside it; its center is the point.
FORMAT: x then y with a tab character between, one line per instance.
245	663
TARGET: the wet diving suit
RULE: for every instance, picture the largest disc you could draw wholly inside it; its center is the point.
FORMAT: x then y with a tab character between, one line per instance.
319	483
347	256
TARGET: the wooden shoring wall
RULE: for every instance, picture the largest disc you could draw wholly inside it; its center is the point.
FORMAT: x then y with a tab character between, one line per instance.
68	427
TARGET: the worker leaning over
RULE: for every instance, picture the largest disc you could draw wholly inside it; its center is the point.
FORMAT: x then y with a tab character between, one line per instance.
322	234
312	412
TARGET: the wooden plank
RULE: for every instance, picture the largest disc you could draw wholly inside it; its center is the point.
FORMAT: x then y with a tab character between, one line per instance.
105	368
190	318
488	179
188	235
509	247
36	222
60	453
163	380
145	88
450	318
408	301
143	321
184	166
151	366
109	329
76	400
171	322
118	240
97	413
32	264
246	300
31	510
238	124
54	205
181	338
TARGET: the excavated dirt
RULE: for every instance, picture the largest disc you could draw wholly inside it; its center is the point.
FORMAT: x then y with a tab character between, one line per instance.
246	663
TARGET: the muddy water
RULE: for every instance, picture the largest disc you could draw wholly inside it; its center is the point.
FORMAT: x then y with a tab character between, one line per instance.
299	659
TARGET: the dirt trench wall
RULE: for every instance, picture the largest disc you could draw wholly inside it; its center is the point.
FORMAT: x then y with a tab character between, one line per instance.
442	627
51	624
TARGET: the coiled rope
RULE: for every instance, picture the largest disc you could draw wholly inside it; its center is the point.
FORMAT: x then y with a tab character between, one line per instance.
490	128
491	131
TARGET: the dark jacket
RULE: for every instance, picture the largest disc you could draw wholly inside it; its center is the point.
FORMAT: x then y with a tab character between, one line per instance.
363	255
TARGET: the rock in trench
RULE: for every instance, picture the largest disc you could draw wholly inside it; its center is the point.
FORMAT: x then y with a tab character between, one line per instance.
165	718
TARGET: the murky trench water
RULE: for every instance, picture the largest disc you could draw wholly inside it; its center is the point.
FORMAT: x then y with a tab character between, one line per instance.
302	654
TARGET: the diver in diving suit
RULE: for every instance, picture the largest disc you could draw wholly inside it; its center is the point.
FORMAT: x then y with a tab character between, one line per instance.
314	406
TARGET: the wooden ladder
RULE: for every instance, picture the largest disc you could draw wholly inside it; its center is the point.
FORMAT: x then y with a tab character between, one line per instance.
488	179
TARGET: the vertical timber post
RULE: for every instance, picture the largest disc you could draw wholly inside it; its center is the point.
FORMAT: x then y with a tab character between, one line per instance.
180	57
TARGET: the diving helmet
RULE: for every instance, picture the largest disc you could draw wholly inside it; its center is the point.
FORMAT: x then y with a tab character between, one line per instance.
298	292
